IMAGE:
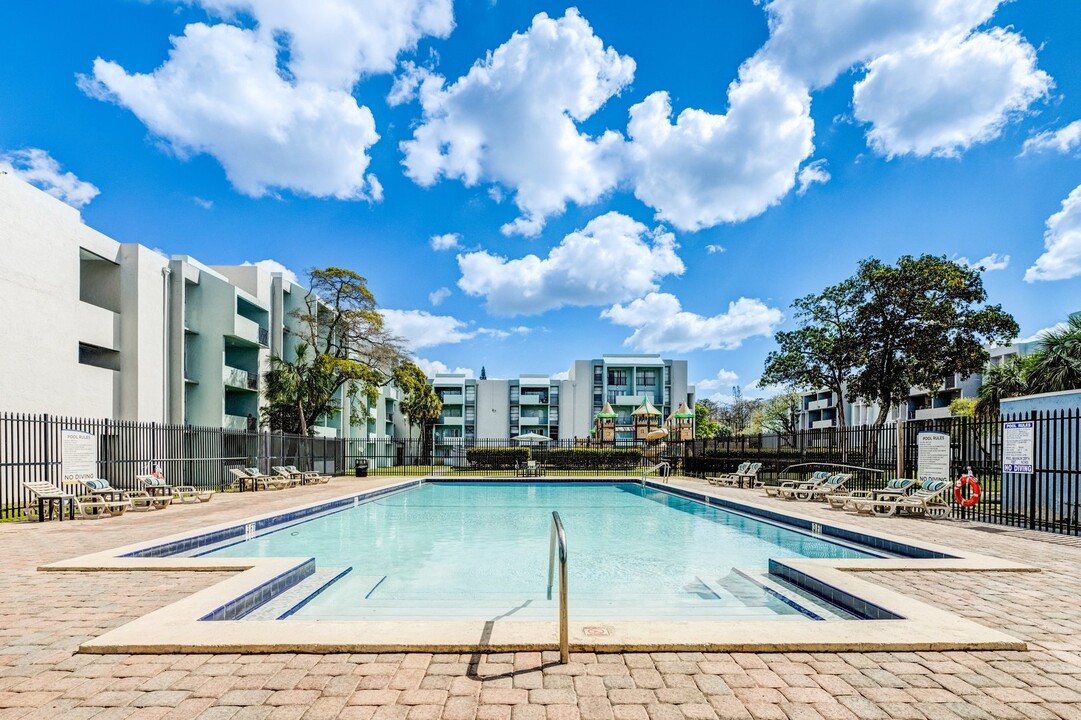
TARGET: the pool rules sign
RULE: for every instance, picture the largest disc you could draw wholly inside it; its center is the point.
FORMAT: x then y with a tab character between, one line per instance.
78	455
933	456
1018	439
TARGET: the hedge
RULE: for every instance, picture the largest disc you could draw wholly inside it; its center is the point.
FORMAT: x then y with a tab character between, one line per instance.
591	458
496	458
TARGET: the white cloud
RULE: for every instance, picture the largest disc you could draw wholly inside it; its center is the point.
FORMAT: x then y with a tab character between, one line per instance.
38	168
1064	140
1062	258
707	169
811	173
407	83
436	297
563	375
714	249
723	378
992	262
421	329
431	368
943	97
447	241
815	40
513	120
203	203
273	266
613	258
661	324
1039	334
275	124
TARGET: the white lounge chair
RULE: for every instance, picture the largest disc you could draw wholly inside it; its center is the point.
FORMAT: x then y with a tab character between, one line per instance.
243	480
928	500
829	486
118	501
46	496
158	488
729	478
894	490
310	476
815	478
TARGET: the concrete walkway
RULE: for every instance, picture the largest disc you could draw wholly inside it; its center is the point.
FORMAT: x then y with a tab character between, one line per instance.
45	616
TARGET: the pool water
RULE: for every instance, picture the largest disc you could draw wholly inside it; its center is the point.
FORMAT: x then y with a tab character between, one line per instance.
480	551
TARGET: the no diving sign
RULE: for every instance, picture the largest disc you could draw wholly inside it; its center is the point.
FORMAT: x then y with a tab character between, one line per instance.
1018	439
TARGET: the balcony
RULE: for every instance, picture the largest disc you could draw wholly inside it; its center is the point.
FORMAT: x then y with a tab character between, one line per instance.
238	379
533	399
98	326
819	404
532	421
452	398
234	422
822	424
450	420
250	331
933	413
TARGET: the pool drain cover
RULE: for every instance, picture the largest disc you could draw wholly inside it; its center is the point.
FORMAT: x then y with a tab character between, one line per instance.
595	631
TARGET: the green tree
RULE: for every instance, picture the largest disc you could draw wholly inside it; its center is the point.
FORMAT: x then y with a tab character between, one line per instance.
780	415
1056	364
1005	380
916	323
963	407
823	352
704	425
738	414
343	348
420	403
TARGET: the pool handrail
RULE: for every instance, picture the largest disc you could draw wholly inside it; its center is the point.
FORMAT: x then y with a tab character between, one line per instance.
558	535
662	464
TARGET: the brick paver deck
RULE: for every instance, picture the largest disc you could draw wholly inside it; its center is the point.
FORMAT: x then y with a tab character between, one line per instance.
44	617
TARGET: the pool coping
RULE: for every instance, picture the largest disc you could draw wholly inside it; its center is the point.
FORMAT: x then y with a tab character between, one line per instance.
180	628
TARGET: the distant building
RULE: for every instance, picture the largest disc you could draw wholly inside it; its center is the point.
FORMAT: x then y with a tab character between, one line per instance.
560	408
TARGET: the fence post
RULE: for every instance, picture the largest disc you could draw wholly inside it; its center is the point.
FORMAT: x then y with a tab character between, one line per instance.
900	447
48	447
1032	476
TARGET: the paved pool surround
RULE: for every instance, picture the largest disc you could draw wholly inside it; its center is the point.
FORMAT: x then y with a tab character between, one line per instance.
207	620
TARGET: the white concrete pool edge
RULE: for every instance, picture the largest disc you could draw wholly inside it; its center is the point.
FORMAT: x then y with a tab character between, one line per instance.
178	628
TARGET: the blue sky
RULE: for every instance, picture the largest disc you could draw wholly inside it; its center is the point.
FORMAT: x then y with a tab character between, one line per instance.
526	183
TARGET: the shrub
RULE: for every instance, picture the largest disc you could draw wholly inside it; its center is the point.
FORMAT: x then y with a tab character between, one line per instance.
497	458
592	458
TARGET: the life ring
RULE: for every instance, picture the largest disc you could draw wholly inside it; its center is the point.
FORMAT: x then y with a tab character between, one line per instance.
973	494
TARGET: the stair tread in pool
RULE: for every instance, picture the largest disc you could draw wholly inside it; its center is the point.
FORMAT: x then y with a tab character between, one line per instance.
285	602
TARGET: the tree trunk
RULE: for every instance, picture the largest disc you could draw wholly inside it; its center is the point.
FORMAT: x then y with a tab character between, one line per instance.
876	430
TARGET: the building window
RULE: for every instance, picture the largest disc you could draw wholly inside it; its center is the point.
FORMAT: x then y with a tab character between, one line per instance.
470	393
646	377
598	374
617	377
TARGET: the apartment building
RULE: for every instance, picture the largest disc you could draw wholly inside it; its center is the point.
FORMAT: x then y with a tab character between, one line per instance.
103	329
558	408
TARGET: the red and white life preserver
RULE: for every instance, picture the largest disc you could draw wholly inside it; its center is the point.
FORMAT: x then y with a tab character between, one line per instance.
974	491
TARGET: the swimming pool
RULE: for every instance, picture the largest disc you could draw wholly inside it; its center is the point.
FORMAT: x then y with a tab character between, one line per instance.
479	550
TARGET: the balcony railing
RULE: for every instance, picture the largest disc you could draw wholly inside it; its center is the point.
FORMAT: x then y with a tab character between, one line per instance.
237	378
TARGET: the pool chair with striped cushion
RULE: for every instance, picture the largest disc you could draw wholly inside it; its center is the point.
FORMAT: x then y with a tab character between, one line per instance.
831	485
274	482
184	493
894	490
309	476
816	478
750	478
929	500
282	471
729	478
244	480
118	501
158	488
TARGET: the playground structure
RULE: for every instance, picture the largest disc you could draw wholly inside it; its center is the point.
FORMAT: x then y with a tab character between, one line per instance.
649	430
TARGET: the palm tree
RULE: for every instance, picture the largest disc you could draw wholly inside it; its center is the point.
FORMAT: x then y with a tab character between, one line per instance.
1056	364
1000	382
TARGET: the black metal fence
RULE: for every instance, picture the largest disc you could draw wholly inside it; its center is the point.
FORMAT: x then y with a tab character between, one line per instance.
1047	498
31	449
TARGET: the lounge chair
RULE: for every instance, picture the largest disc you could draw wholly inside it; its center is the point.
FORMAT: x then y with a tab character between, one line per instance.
308	476
815	479
831	485
284	472
729	479
894	490
116	501
751	476
528	468
47	496
928	501
271	480
157	488
244	480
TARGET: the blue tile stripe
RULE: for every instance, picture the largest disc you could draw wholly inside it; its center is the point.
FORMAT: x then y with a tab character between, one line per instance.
859	607
239	607
858	538
315	594
195	542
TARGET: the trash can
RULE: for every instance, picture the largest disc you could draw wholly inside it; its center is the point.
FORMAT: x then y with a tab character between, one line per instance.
360	469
